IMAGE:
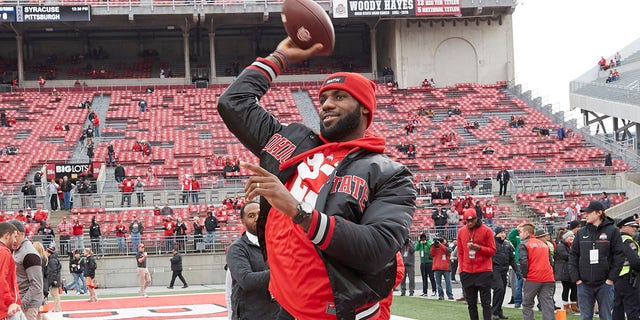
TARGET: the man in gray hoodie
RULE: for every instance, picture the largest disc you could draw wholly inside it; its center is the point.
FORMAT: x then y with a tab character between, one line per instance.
29	272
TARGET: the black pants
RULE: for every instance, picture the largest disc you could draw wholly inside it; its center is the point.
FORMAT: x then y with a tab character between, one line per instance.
499	287
53	201
472	284
178	274
64	245
503	185
626	300
569	286
427	274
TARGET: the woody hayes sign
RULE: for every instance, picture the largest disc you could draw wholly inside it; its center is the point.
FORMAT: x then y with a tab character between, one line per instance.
407	8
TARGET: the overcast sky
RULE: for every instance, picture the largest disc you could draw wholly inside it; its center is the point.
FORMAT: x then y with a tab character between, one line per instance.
555	41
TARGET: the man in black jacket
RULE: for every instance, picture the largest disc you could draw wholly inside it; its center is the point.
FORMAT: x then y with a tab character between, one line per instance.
503	178
595	261
29	192
504	257
627	299
338	206
176	269
250	297
210	226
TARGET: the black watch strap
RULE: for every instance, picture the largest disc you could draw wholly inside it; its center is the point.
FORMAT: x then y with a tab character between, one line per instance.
304	211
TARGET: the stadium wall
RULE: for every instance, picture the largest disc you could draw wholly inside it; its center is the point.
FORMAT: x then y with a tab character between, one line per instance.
448	51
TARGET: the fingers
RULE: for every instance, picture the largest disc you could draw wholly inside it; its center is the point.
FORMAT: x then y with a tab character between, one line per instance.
255	168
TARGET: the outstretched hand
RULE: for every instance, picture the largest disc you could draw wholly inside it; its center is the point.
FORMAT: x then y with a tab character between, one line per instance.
269	186
296	54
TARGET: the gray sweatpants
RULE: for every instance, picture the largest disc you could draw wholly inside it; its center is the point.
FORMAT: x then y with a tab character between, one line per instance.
544	291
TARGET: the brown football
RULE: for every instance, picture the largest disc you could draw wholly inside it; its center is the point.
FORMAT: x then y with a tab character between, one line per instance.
307	24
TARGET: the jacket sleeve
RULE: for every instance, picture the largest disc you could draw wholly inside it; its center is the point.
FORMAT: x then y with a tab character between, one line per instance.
241	271
513	263
617	255
240	109
523	256
488	250
34	295
368	246
630	249
574	259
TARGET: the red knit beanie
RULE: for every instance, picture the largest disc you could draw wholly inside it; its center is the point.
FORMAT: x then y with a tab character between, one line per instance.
359	87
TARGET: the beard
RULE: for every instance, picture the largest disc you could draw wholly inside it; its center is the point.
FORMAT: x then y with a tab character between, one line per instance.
344	127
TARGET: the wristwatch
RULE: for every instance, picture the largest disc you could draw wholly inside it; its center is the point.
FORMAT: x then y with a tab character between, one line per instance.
305	210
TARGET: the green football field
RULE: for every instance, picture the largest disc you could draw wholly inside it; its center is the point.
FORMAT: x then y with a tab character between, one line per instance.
428	309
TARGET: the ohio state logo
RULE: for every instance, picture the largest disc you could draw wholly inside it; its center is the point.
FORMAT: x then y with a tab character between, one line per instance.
341	8
303	34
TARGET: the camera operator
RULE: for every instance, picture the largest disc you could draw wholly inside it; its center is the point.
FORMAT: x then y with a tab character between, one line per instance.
441	254
409	258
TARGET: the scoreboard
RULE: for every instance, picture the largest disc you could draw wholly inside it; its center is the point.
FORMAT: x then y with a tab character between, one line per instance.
31	13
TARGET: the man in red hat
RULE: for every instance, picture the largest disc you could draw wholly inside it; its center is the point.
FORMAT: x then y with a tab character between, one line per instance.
330	199
476	248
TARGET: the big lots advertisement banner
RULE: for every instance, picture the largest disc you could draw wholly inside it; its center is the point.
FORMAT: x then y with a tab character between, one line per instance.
398	8
73	171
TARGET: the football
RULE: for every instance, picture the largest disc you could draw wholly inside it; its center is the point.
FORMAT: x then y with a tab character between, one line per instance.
307	24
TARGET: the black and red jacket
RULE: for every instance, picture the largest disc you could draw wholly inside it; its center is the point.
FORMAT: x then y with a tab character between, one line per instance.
358	247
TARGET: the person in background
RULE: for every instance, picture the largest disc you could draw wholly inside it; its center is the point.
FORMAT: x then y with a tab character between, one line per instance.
29	272
9	296
561	272
595	261
423	246
176	269
409	258
197	233
89	272
476	247
75	268
144	277
627	298
53	277
250	297
535	263
441	254
502	260
96	235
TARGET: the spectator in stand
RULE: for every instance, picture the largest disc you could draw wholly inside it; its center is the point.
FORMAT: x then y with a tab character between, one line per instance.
430	113
561	272
612	64
78	234
536	266
608	163
210	225
409	128
139	189
142	105
37	179
197	233
488	212
186	189
84	190
95	235
571	213
503	178
603	63
144	277
111	155
96	126
20	216
41	83
408	257
176	269
550	216
195	190
64	235
127	186
169	229
150	175
3	118
40	215
66	187
29	192
604	199
166	210
60	194
135	230
146	148
476	247
440	253
119	173
595	261
121	231
238	202
47	233
488	150
90	147
501	261
439	217
423	246
180	231
28	271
